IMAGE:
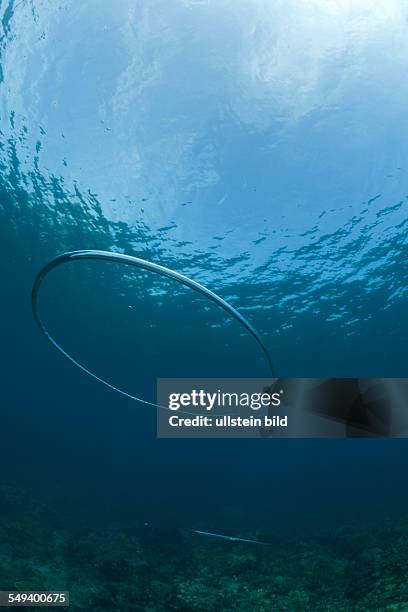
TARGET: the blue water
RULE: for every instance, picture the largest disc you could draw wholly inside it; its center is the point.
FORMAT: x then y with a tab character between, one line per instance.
260	149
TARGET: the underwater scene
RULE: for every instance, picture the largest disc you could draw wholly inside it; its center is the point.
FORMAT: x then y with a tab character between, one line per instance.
260	148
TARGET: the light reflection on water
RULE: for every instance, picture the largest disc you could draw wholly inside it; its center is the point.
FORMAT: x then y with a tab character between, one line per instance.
258	148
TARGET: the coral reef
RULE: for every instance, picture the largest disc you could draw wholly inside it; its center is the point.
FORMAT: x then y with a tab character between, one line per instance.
153	570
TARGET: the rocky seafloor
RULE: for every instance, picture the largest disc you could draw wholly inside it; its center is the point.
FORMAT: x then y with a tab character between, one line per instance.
134	568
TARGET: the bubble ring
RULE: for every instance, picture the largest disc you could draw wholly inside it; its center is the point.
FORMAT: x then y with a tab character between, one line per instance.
144	265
